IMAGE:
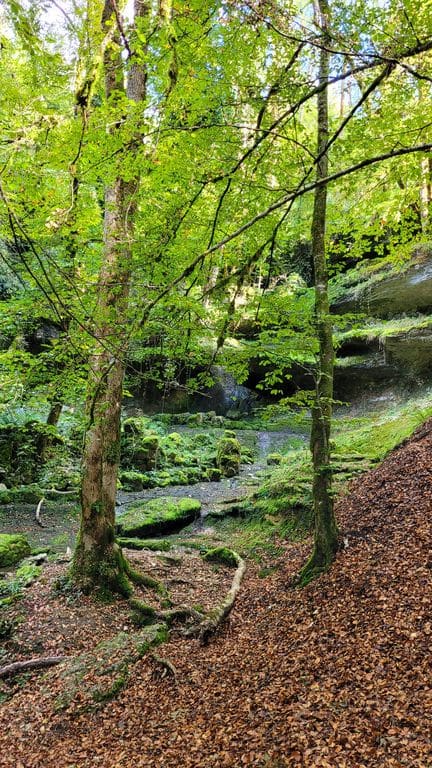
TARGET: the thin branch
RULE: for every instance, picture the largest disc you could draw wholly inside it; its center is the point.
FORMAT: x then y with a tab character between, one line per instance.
275	207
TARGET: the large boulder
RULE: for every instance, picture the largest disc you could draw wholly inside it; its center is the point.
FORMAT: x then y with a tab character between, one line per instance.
166	514
13	548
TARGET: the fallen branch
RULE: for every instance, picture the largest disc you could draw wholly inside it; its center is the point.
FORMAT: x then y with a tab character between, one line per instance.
62	493
209	627
23	666
37	513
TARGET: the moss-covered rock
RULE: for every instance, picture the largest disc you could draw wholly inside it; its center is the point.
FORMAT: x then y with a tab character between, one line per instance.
158	516
222	555
13	548
146	453
214	474
228	455
274	459
133	481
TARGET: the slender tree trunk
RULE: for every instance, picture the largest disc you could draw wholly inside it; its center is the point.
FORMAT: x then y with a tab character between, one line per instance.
98	561
425	192
325	529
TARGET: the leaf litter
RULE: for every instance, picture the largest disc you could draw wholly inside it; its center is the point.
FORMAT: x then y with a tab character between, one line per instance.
337	675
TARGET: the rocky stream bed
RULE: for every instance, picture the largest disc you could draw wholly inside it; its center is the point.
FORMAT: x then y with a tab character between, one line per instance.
60	519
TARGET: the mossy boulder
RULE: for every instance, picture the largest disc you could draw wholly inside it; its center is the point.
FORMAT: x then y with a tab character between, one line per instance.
133	481
274	459
214	474
158	516
13	548
146	454
228	455
222	556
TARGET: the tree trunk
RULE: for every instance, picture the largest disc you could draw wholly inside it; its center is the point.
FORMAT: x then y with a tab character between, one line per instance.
325	529
98	561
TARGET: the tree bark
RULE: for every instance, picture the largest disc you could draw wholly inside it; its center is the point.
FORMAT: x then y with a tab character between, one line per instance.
98	561
325	528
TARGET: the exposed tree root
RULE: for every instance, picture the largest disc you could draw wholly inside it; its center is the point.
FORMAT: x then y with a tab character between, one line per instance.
143	579
23	666
148	614
168	669
210	626
203	627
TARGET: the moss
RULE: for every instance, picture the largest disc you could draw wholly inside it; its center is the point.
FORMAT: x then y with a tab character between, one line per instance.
13	548
222	555
274	458
132	481
157	516
26	494
214	474
155	545
175	438
112	691
143	614
151	637
102	571
99	675
112	452
374	437
228	456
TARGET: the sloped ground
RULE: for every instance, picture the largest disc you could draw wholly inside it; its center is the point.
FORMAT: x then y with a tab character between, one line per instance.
337	675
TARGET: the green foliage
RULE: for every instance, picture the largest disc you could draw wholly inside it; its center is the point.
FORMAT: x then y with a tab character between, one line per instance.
11	589
375	436
24	447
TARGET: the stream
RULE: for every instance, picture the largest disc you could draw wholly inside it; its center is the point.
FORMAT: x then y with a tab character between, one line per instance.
60	520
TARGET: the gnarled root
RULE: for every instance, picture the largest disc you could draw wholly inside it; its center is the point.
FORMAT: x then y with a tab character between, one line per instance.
150	615
168	669
24	666
210	626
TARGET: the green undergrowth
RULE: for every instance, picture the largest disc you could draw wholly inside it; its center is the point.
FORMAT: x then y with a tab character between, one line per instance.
374	436
11	588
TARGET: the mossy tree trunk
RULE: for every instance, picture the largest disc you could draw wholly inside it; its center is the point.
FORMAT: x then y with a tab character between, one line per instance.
325	529
98	562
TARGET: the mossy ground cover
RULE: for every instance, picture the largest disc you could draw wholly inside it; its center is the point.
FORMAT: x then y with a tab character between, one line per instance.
375	435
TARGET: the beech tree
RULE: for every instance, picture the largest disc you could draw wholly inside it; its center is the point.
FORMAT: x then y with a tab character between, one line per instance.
98	560
325	528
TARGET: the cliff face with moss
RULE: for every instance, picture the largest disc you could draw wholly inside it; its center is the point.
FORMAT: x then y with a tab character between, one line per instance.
392	339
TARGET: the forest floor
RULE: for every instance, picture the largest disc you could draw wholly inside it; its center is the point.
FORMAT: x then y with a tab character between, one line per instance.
336	675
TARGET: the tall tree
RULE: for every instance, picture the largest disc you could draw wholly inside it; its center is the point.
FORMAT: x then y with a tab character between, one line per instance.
325	529
98	560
